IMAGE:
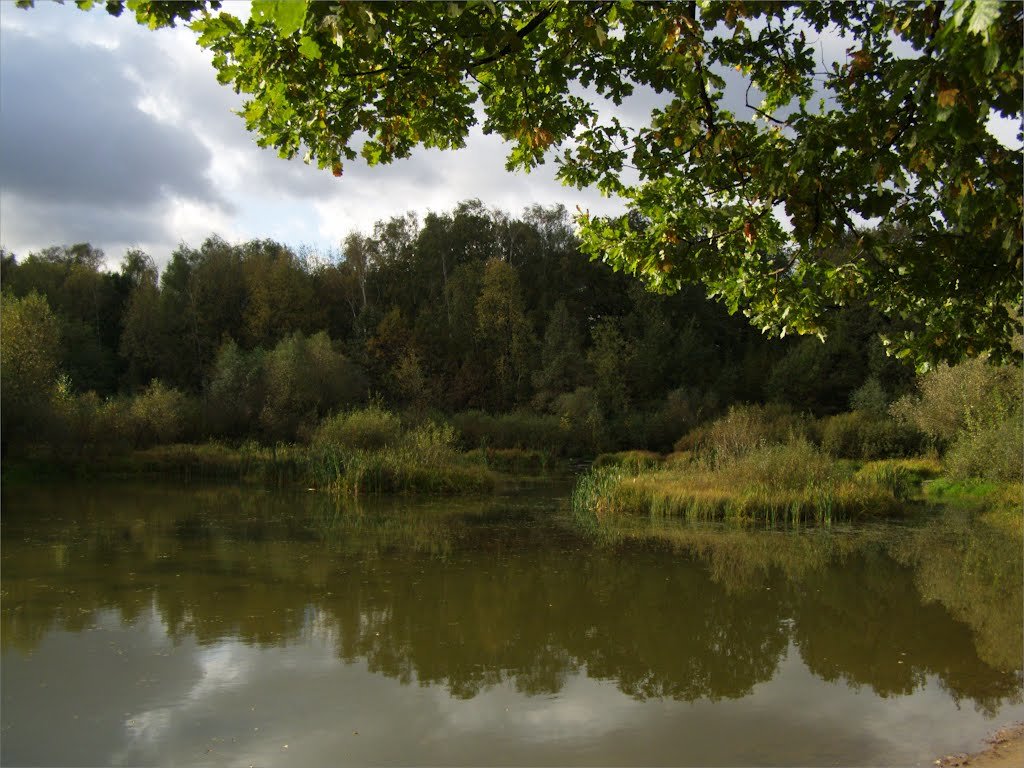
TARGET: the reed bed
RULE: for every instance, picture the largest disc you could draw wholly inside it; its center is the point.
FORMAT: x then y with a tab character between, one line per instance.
420	460
789	484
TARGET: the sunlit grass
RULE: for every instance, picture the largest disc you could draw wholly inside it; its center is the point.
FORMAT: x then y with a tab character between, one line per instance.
780	484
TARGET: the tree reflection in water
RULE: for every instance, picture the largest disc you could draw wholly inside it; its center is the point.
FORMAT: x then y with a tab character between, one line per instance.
467	594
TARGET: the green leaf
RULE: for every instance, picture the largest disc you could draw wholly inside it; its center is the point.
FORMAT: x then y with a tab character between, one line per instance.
287	15
986	12
309	48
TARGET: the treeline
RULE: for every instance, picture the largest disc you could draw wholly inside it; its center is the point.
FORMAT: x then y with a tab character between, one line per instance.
472	314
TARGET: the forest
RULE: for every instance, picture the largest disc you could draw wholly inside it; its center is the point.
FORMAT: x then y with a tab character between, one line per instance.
493	325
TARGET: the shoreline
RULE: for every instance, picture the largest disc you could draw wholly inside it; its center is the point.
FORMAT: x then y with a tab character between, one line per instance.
1005	750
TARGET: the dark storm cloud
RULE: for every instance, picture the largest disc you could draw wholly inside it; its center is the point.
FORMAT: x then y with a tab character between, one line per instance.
72	133
111	227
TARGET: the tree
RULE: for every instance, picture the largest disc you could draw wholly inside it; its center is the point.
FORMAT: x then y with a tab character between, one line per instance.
610	359
561	357
503	330
893	132
29	333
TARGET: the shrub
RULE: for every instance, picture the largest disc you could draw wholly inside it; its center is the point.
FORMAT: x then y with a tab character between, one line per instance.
423	459
160	414
370	428
795	465
524	461
870	397
862	435
29	334
430	443
744	428
91	427
581	418
682	410
519	429
971	395
993	453
896	479
236	392
305	379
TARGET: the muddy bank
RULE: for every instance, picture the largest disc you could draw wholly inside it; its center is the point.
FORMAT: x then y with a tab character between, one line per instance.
1005	750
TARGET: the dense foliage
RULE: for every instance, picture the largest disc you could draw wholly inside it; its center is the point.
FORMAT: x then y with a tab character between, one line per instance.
498	326
472	312
862	112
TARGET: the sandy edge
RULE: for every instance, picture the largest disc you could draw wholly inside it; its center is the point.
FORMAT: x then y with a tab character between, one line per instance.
1005	750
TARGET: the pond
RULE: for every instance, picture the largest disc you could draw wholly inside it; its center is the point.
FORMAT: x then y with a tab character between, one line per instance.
213	625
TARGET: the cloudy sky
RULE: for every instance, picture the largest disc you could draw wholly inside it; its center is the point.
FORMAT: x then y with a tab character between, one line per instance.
122	137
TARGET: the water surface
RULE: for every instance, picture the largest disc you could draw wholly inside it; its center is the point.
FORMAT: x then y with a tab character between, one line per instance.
222	626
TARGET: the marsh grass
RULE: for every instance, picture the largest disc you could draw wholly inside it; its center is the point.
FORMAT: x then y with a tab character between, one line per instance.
279	464
997	504
631	461
520	461
789	484
420	460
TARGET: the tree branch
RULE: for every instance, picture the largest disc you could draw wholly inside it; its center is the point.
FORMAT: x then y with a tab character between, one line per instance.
690	11
521	34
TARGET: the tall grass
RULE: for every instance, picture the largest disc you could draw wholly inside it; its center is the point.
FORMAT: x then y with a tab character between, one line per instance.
632	461
280	464
520	461
788	484
365	452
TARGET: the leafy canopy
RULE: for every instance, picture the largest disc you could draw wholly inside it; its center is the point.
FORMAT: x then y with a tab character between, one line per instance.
893	191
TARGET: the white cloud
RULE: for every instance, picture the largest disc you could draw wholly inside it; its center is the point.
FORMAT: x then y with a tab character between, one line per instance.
118	74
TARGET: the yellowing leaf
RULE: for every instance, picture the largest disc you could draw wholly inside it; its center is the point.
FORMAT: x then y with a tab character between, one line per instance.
947	97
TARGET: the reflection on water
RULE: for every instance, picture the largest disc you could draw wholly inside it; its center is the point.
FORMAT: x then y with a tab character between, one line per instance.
150	622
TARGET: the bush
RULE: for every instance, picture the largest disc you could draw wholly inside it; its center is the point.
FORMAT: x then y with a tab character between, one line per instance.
993	453
524	461
795	465
236	393
86	427
29	335
862	435
582	420
682	410
969	396
370	428
160	414
305	379
421	460
520	429
745	428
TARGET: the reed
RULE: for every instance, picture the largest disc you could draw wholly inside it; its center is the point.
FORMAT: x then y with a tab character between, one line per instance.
791	484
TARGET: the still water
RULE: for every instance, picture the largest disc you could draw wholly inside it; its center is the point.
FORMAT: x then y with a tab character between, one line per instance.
152	625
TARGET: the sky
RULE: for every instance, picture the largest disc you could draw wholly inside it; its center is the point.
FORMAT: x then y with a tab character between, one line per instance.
122	137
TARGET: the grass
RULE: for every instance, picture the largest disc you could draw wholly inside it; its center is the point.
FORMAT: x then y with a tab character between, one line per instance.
633	461
280	464
997	504
421	460
777	484
363	452
520	461
389	470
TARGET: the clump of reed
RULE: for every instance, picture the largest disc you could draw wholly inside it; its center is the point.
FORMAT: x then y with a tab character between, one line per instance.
520	461
278	464
776	484
631	461
368	451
